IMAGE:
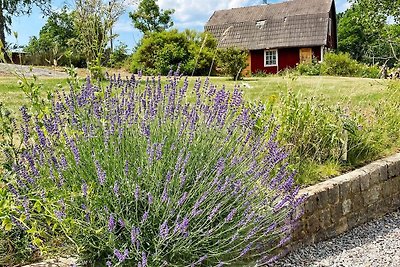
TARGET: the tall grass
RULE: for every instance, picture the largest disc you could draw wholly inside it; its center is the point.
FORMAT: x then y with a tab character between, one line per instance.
325	140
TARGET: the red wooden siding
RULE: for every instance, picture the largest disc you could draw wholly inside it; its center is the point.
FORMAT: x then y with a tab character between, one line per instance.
257	62
287	58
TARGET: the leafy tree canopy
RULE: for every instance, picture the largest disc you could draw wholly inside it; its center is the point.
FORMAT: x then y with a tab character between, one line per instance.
10	8
161	51
150	18
57	40
364	32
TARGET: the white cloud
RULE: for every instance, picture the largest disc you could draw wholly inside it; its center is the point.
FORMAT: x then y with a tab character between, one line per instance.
123	26
194	14
342	5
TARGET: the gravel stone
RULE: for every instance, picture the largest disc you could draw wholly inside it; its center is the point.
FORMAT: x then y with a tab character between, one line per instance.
374	244
10	69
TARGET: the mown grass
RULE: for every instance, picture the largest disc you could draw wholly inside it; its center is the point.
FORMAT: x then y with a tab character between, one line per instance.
332	90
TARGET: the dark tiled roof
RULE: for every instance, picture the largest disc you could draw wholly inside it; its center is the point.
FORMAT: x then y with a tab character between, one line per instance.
288	24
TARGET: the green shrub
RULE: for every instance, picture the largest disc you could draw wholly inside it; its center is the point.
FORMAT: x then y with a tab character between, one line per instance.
309	68
339	65
232	61
342	64
138	174
366	71
159	52
118	56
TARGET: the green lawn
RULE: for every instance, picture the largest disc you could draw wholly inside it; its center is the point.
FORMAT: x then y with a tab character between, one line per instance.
13	97
330	89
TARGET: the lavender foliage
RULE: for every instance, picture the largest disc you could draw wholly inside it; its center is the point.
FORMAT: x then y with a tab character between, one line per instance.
154	173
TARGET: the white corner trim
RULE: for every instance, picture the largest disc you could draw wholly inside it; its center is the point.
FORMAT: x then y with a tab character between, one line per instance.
322	54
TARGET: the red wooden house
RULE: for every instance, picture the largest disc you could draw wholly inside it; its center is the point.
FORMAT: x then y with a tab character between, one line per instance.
278	36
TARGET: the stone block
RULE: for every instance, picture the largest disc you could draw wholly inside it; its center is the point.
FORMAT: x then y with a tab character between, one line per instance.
388	188
393	164
377	171
372	195
357	218
336	212
341	226
346	206
310	204
357	202
355	185
313	224
322	199
365	182
333	194
344	190
325	218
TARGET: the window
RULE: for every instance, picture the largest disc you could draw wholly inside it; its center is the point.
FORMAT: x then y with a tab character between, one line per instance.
260	24
270	58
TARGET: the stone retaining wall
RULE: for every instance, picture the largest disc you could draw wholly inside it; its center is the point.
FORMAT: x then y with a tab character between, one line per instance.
339	204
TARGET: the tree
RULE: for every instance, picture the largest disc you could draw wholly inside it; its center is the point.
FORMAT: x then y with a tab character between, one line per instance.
232	61
10	8
56	41
364	32
161	51
149	18
94	20
354	33
380	9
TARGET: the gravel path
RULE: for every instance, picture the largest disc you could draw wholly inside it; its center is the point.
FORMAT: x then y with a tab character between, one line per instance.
374	244
10	69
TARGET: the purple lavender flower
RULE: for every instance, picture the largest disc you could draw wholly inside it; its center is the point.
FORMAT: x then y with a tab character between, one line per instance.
111	223
214	212
220	166
121	223
149	198
41	137
182	180
137	192
84	188
116	189
121	256
159	148
101	174
246	249
182	199
182	227
144	259
135	232
74	150
63	162
126	170
25	116
145	216
164	196
230	215
164	230
199	261
168	177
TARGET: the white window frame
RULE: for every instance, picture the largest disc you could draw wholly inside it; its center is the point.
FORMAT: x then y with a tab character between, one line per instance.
265	57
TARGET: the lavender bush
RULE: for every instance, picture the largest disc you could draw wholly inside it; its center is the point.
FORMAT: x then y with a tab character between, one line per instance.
152	173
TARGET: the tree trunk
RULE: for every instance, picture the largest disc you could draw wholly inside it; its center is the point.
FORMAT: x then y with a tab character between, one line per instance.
2	25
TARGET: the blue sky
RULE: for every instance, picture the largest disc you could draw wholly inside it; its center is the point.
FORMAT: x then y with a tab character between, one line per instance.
192	14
